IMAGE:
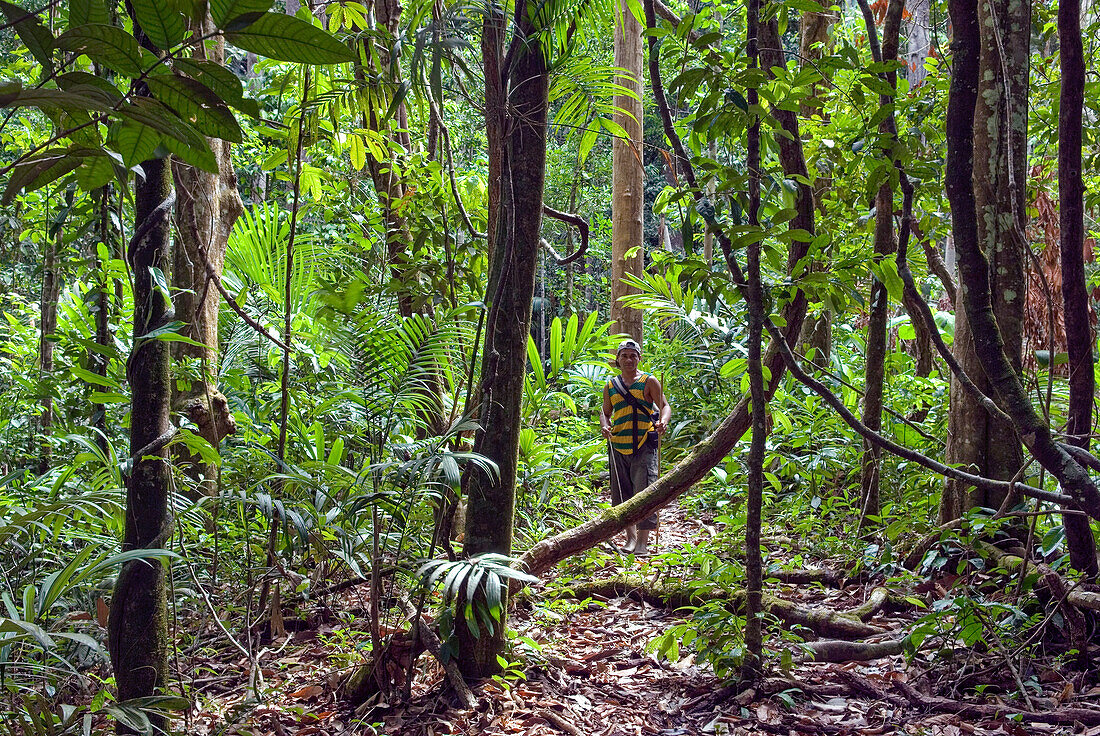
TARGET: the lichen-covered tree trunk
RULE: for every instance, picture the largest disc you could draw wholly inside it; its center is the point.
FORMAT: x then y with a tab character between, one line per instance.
1071	219
511	288
975	439
627	174
207	207
974	270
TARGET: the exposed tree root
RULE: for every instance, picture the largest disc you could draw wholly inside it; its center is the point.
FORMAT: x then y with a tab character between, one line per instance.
834	650
822	621
1063	716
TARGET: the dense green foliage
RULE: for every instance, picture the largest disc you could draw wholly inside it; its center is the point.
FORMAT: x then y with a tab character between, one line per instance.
380	421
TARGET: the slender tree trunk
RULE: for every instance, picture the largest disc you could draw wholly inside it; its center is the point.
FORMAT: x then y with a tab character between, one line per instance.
511	285
885	245
975	439
97	359
875	371
754	297
51	289
1075	297
627	179
207	207
919	43
814	42
138	624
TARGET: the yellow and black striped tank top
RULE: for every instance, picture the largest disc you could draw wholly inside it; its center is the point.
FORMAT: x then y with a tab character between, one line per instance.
629	427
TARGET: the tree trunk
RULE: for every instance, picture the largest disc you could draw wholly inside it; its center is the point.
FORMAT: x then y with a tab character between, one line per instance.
511	286
97	359
207	207
1061	461
138	624
51	289
814	42
916	31
752	666
875	370
885	244
1075	296
627	178
975	439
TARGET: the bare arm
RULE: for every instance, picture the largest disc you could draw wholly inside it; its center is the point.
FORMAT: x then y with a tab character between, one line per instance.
605	414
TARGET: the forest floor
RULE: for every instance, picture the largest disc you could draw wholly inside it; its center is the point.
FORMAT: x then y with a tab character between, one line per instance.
590	670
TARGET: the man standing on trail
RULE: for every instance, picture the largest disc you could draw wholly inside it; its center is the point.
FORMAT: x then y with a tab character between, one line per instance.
635	412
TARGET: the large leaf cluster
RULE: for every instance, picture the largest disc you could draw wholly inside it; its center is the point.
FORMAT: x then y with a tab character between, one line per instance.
117	98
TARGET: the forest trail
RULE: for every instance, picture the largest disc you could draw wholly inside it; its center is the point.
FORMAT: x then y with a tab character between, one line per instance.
589	671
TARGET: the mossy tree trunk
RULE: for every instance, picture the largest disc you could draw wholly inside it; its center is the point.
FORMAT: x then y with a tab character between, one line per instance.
137	628
511	287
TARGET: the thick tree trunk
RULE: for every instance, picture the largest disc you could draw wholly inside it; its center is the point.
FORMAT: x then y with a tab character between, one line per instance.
491	499
975	439
1059	460
137	627
627	177
1075	297
207	207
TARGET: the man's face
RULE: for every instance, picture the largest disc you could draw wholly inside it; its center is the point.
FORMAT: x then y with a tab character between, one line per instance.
628	359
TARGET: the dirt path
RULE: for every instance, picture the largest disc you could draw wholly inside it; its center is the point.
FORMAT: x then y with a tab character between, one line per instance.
588	671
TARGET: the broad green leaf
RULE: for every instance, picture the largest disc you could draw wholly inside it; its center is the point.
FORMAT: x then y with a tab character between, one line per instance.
54	99
83	12
226	10
94	378
221	82
286	38
42	169
9	625
357	152
160	21
179	137
107	397
35	36
89	85
95	172
112	47
133	140
9	92
197	105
